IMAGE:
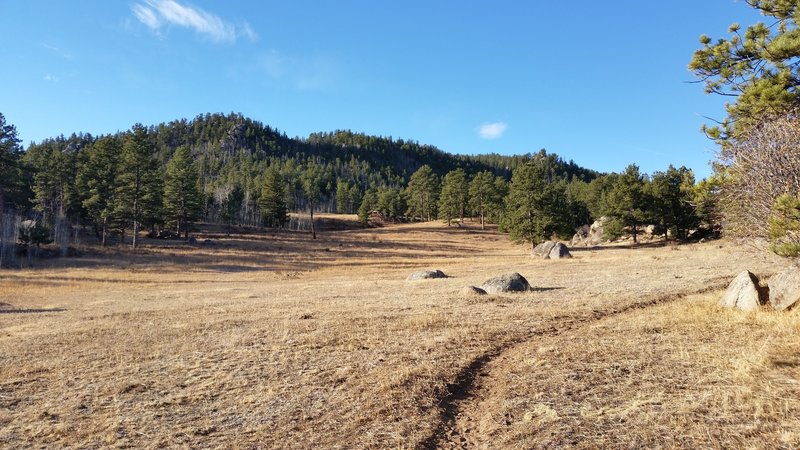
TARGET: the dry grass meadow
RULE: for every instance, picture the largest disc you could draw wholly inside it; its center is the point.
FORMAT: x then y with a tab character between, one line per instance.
274	341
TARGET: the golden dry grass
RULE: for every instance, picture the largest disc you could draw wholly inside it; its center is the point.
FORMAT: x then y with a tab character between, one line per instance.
271	340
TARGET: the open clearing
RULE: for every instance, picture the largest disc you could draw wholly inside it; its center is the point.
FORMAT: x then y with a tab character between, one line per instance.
271	340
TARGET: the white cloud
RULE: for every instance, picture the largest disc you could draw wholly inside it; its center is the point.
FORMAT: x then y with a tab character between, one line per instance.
247	31
147	16
156	14
50	77
493	130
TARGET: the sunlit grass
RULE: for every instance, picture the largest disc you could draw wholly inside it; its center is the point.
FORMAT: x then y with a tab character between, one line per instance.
274	340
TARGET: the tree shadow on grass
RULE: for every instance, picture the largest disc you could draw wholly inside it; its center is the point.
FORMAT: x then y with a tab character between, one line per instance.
3	310
631	246
545	289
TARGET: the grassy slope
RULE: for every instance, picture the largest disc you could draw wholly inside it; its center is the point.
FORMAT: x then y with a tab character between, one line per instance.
273	340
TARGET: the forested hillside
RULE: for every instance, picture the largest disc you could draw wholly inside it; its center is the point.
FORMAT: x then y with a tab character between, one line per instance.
234	170
232	154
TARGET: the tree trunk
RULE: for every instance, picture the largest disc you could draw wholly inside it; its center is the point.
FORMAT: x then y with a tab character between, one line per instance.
135	218
483	227
313	231
135	232
103	238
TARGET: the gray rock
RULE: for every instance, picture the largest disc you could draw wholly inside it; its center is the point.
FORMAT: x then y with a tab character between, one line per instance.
512	282
543	249
473	290
784	289
559	251
581	236
744	293
426	275
192	241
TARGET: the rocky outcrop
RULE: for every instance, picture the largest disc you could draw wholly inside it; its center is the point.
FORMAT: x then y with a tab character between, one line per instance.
377	219
744	293
589	235
426	275
784	289
511	282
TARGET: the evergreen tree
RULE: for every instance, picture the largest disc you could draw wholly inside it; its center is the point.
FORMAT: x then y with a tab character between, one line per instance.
368	204
594	196
313	180
627	203
497	207
346	197
229	198
97	180
535	205
422	193
758	66
182	200
54	164
11	174
391	203
453	196
139	186
705	200
273	198
671	193
483	195
577	193
354	199
784	226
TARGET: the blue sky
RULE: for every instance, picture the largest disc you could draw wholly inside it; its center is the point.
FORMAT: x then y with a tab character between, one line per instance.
601	83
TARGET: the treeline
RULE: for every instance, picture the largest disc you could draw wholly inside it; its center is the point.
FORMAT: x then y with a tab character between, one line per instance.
540	202
231	169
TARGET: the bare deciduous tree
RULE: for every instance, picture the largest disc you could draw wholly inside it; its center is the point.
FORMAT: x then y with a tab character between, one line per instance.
758	168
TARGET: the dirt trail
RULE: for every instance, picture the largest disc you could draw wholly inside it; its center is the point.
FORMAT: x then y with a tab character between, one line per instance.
461	408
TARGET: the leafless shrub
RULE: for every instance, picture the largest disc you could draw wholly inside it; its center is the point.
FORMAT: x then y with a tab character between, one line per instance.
759	167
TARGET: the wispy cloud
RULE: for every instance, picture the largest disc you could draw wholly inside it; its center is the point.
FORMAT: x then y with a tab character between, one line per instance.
304	74
50	77
493	130
58	51
157	14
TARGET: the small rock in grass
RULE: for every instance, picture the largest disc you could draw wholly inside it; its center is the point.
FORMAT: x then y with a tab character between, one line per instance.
544	249
511	282
426	275
473	290
559	251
